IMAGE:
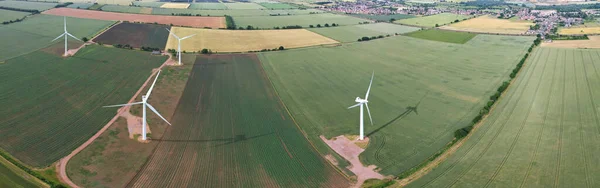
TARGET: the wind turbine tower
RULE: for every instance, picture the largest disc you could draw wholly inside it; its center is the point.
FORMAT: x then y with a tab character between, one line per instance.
361	103
179	43
65	34
145	104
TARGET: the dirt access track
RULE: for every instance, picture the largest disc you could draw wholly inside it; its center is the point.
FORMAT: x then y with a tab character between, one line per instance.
190	21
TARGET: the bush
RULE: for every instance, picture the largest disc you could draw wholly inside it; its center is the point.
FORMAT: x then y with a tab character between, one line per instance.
229	22
281	48
85	39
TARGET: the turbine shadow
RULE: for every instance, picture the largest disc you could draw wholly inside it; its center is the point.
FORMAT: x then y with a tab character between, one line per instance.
241	138
236	138
409	109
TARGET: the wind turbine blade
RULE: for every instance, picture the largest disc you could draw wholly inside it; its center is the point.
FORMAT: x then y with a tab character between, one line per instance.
354	105
368	90
152	87
65	23
173	34
73	37
130	104
58	37
187	37
156	112
369	111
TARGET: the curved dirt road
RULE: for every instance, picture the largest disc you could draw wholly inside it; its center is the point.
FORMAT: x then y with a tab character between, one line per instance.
61	166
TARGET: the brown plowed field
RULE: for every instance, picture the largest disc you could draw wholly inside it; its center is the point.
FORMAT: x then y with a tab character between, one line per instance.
191	21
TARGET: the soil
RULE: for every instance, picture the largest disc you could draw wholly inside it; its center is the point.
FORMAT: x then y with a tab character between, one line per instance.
190	21
350	151
134	125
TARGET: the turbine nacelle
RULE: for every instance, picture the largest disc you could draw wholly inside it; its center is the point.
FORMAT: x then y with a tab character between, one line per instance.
359	100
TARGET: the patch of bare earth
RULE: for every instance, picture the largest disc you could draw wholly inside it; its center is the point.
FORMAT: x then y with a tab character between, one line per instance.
350	151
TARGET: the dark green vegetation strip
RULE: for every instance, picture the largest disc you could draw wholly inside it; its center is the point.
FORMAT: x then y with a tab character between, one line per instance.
384	18
443	35
136	35
56	102
230	130
422	92
543	133
12	176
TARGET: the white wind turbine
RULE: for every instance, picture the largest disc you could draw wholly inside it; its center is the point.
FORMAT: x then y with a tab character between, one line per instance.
145	103
65	34
364	102
179	43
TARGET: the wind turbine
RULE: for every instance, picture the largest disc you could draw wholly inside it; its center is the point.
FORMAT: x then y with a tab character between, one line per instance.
361	103
65	34
179	43
145	103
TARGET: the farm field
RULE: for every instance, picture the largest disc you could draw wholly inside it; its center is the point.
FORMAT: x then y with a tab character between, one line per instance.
80	5
269	22
123	9
208	6
593	42
37	32
443	36
417	100
136	35
61	108
543	133
579	30
234	12
8	15
277	6
40	6
113	159
244	40
243	6
148	4
231	129
431	21
384	18
489	24
191	21
175	5
12	176
353	32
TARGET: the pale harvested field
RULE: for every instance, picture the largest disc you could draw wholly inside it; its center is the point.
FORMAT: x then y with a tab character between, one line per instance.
579	30
488	24
244	40
594	42
191	21
175	5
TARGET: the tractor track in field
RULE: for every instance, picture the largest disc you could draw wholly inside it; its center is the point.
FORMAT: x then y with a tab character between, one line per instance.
581	136
537	144
61	166
514	142
560	133
462	158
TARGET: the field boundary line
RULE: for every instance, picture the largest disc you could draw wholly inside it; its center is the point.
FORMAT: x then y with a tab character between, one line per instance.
321	156
562	118
61	166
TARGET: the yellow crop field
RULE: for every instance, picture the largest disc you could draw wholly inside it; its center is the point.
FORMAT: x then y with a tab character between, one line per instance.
579	30
175	5
244	40
489	24
593	42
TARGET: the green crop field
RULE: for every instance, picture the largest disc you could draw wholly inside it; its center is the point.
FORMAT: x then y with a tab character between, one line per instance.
231	130
149	4
422	91
243	6
302	20
8	15
543	133
443	35
12	176
41	6
80	5
353	32
61	107
431	21
38	31
236	13
124	9
207	6
277	6
384	18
